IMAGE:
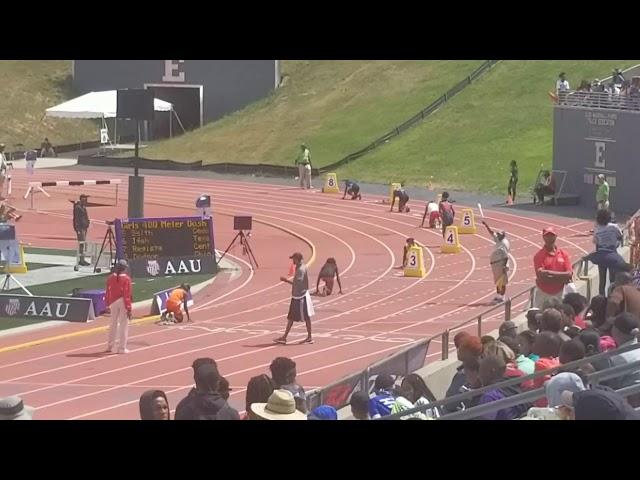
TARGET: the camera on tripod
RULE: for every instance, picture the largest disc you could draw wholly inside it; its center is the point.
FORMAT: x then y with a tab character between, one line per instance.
242	223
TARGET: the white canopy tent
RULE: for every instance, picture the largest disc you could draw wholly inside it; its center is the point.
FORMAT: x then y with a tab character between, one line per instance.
102	105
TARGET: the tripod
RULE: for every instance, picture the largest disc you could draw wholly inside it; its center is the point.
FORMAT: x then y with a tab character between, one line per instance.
110	240
246	248
6	285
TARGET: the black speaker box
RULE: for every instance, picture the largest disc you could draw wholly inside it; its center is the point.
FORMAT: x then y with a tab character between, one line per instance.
242	222
135	104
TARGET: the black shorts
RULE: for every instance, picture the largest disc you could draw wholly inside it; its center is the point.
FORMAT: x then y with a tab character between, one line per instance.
82	235
298	310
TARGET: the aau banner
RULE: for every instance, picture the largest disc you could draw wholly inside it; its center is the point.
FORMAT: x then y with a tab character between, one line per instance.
46	308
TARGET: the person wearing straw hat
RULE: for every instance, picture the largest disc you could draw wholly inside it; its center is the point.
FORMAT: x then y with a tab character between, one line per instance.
301	306
280	406
602	194
13	408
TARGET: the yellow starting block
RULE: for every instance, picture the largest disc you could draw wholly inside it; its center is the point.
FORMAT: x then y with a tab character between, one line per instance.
451	241
331	184
415	263
468	222
392	188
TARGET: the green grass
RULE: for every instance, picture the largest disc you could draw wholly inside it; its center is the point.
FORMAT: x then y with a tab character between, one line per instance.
49	251
336	107
507	115
27	89
143	288
38	266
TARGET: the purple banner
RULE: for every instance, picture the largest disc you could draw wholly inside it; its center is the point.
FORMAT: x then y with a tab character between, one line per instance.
159	304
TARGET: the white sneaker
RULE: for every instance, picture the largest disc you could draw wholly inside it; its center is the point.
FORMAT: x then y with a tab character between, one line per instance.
121	352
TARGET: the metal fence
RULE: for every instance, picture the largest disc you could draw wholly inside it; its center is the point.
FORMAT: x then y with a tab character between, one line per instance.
418	117
622	101
414	356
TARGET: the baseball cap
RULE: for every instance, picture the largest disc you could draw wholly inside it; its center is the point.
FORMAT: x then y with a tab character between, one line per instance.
599	404
601	176
296	255
549	231
506	327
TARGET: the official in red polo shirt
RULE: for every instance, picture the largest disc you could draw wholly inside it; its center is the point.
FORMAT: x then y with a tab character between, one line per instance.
118	297
553	269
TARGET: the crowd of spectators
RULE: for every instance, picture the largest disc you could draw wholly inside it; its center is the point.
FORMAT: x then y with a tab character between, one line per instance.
617	92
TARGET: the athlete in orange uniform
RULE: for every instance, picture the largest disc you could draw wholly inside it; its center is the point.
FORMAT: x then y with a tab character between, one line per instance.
176	300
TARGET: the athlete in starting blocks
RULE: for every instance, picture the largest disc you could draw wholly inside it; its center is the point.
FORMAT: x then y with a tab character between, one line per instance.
328	272
177	299
353	189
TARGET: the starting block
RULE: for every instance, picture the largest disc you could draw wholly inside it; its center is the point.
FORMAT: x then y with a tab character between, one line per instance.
415	263
331	184
451	241
468	223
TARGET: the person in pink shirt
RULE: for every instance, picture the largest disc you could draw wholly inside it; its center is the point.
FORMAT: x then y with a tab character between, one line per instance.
118	298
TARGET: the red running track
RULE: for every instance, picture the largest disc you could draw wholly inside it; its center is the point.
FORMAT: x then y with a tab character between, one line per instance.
241	312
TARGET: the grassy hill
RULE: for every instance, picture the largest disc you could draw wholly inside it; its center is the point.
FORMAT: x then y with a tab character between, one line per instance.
336	107
27	89
506	115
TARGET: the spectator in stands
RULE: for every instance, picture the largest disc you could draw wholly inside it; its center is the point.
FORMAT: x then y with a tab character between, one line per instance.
447	212
552	322
579	304
413	391
13	408
625	297
206	403
46	149
526	340
569	328
299	395
598	404
360	405
595	316
524	364
194	366
562	382
508	329
154	406
545	186
590	338
469	347
562	87
259	389
553	269
533	319
547	347
500	349
492	371
617	77
625	331
486	339
323	412
382	403
283	371
607	237
224	389
280	406
573	351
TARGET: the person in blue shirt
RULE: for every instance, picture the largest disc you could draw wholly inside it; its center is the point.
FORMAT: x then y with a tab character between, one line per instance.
353	189
382	403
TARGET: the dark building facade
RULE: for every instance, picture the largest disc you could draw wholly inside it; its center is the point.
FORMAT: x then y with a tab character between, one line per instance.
200	90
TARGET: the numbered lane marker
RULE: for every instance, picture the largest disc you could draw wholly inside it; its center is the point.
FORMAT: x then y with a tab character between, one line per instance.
467	222
331	184
451	241
415	263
